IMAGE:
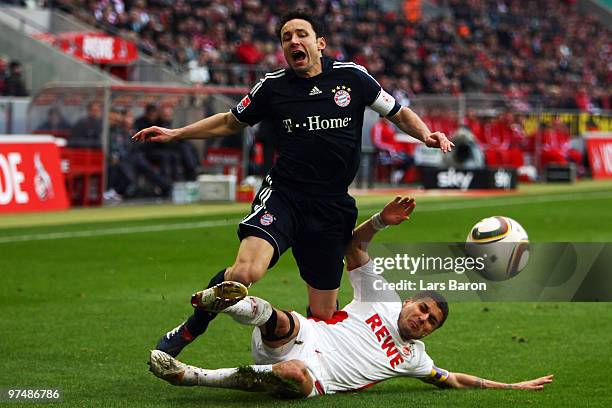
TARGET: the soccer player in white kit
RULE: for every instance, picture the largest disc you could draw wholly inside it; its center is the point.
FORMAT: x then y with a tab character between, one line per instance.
364	343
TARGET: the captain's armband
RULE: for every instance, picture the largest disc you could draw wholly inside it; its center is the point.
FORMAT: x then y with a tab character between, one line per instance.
385	104
437	377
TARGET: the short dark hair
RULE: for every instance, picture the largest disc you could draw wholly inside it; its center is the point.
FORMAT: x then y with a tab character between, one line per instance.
301	14
92	103
436	297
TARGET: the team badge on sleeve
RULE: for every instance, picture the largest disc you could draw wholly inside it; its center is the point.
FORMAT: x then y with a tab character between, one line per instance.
246	101
342	96
266	219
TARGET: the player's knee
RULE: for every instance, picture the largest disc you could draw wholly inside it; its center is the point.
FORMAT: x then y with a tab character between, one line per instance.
245	272
294	371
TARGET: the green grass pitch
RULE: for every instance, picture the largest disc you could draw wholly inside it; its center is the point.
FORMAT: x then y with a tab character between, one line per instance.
84	298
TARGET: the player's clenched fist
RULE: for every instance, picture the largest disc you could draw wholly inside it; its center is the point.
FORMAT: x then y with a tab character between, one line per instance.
156	134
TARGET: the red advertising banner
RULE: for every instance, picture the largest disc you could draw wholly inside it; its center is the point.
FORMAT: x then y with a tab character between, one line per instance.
229	158
30	174
95	48
599	149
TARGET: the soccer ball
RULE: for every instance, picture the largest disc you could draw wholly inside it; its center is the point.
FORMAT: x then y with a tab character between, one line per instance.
503	246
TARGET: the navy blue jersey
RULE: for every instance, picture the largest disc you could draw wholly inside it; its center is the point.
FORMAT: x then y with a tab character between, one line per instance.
318	123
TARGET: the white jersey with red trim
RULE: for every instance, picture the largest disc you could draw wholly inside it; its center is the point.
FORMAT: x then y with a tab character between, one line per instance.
361	345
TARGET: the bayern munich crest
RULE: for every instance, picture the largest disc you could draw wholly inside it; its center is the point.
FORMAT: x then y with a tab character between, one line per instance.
266	219
342	96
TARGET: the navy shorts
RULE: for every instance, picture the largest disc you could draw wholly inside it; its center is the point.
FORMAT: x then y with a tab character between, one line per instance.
316	229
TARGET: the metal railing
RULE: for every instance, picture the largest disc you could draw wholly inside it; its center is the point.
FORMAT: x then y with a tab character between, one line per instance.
70	99
147	69
42	61
14	18
193	103
13	114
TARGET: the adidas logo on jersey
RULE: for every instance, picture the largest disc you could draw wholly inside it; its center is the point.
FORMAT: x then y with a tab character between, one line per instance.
315	91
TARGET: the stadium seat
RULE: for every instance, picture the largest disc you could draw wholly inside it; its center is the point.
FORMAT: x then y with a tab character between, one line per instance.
84	173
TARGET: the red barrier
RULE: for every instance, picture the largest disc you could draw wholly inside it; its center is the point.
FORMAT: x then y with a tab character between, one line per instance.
30	174
84	170
599	149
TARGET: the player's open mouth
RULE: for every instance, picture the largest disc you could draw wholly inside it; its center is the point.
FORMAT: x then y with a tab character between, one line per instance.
298	56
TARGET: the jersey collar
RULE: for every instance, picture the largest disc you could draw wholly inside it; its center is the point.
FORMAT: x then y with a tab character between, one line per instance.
326	65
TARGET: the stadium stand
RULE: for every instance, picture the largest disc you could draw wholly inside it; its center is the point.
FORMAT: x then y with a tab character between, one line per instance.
524	77
546	49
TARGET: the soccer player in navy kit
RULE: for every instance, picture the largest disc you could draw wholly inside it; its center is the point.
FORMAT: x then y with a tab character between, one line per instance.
316	106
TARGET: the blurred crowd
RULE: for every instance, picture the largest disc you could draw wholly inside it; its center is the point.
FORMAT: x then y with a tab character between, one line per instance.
11	78
496	141
527	50
522	48
134	169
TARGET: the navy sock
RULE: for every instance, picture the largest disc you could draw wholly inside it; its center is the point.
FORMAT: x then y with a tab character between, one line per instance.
198	322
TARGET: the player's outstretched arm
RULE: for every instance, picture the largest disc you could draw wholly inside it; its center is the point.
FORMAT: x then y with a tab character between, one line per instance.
460	380
394	213
220	124
412	124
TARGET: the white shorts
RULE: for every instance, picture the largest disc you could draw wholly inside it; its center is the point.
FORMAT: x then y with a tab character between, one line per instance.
303	347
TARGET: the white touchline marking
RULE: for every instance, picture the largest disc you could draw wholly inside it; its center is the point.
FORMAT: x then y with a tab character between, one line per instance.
118	231
526	199
484	202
